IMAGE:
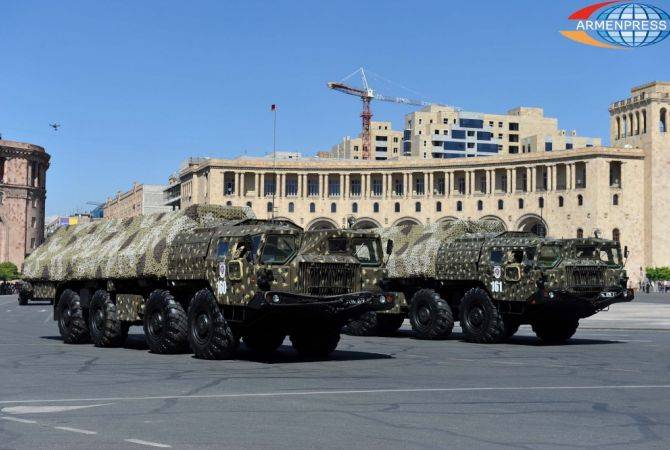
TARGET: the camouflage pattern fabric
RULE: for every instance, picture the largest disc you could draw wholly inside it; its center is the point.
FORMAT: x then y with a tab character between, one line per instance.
121	248
415	247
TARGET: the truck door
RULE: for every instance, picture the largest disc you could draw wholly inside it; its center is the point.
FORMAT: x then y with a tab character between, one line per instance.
277	252
235	258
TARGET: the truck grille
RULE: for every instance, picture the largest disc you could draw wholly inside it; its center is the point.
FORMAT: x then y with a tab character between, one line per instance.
584	279
328	278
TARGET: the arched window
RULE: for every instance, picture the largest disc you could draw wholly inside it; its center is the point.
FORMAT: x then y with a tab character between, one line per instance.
631	125
625	127
618	127
480	205
540	202
417	207
438	206
580	233
229	203
560	201
520	203
616	235
312	207
615	200
459	206
375	207
396	207
269	207
291	207
501	204
354	207
644	121
333	207
663	122
637	122
580	200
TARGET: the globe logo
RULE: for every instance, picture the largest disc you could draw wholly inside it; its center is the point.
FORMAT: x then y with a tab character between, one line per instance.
618	24
634	37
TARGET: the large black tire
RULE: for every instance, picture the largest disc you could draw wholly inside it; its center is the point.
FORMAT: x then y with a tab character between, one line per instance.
23	300
430	315
72	322
209	334
363	325
165	324
316	340
264	342
389	324
106	329
481	321
555	331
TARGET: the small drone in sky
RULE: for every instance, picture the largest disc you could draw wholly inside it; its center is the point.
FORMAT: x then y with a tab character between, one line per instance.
55	126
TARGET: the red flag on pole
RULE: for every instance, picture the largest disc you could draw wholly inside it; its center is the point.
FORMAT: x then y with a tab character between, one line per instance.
273	107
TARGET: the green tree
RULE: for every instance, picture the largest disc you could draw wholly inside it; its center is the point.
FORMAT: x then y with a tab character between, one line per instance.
8	271
658	273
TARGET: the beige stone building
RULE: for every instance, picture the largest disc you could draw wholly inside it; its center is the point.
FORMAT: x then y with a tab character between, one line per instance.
620	191
387	143
140	199
23	169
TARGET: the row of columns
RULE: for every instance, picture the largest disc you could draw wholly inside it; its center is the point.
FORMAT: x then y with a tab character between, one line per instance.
408	182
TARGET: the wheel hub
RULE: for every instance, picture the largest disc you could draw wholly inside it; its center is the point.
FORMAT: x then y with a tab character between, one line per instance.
66	317
99	318
202	325
477	317
423	315
156	323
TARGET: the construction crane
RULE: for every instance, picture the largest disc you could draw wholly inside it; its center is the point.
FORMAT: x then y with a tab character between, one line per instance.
367	94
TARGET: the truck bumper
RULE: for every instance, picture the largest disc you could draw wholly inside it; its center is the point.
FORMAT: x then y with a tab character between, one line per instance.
342	306
581	306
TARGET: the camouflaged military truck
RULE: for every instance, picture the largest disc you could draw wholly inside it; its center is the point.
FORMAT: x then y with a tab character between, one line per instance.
494	281
206	277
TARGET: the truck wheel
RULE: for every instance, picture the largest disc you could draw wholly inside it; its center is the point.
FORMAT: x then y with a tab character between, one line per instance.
264	342
23	300
316	341
388	324
555	331
165	324
363	325
481	321
71	319
106	329
209	335
430	316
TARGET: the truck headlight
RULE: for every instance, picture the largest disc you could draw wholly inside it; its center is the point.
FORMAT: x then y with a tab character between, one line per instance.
275	298
552	295
382	299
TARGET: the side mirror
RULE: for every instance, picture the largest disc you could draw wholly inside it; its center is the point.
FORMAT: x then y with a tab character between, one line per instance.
625	251
513	273
389	246
235	270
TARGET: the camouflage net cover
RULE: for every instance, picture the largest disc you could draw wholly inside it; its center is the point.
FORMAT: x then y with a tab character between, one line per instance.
415	246
121	248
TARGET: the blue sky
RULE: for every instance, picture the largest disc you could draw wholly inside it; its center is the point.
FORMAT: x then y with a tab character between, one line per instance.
138	86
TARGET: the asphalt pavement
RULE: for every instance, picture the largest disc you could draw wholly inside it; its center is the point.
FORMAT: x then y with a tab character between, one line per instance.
609	387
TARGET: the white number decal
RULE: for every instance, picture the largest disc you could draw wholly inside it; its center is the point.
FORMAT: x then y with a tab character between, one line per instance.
496	286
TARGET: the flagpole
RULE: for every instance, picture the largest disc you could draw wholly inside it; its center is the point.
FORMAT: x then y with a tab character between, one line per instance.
274	157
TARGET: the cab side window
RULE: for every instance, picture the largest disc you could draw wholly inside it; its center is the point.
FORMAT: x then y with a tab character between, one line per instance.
222	248
278	249
496	256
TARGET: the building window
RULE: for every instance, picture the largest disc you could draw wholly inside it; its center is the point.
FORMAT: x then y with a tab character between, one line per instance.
520	203
663	122
2	169
580	200
615	174
644	121
548	146
540	202
249	204
398	187
375	207
568	145
616	235
438	207
615	200
333	207
396	207
513	126
514	149
417	207
356	187
580	233
33	222
459	206
291	207
354	207
501	204
333	186
419	186
32	242
480	205
312	207
229	203
376	187
292	187
269	207
312	187
560	201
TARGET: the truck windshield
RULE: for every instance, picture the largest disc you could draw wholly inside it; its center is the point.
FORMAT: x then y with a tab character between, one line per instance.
337	245
367	251
278	249
609	254
548	256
